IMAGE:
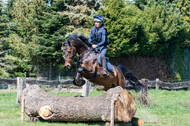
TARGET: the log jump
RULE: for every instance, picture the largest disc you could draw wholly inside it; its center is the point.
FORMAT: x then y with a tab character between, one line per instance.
79	109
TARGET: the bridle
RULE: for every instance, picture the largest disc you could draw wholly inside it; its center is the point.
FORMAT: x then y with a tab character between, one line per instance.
80	58
71	57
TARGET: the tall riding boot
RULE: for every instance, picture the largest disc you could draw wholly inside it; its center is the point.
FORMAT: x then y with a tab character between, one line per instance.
104	65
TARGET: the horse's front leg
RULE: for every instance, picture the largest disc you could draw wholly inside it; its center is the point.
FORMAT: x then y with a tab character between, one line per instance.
78	81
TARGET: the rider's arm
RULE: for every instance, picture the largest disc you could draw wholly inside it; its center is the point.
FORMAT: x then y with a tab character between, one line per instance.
103	38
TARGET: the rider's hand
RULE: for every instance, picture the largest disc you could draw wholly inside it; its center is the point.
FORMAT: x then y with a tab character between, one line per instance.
94	46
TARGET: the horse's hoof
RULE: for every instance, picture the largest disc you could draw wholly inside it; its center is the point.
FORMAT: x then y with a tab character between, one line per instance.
79	82
83	82
74	82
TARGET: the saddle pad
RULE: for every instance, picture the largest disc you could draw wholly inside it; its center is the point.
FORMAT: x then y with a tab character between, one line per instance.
109	65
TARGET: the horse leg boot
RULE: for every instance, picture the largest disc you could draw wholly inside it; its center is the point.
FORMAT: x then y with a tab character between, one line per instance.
104	65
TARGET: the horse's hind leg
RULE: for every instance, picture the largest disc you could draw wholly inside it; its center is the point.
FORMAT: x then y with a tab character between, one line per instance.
106	88
121	80
132	79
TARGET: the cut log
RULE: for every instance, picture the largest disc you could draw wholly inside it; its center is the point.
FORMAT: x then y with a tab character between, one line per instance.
79	109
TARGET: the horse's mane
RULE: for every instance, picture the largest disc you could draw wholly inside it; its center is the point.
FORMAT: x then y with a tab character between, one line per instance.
89	54
83	38
80	37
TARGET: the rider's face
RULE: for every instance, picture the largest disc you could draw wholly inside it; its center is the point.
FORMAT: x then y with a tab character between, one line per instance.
98	24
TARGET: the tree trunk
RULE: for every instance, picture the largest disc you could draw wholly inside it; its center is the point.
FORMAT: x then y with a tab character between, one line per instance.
79	109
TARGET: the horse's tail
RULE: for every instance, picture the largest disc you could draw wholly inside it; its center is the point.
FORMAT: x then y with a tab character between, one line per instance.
131	78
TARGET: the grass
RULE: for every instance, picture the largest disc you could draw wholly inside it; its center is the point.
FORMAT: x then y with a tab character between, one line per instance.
167	108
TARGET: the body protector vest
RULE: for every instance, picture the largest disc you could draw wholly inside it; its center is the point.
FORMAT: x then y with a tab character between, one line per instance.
97	35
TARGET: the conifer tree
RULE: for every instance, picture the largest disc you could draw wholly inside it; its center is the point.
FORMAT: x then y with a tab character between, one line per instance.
120	22
80	12
1	6
184	7
146	31
167	32
3	73
6	60
40	31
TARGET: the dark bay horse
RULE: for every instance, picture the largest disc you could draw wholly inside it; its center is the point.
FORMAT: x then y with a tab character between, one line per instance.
89	68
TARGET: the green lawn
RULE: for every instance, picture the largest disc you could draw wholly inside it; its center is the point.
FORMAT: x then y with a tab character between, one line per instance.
167	108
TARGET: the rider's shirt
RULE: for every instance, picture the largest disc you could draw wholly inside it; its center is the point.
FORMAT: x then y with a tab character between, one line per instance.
98	36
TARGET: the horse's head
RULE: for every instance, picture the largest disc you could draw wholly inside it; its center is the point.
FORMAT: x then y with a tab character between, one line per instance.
69	52
72	45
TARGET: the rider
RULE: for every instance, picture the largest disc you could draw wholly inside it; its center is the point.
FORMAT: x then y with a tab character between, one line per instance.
99	40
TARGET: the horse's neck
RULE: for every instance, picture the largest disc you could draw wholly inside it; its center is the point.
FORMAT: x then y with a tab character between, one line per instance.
82	49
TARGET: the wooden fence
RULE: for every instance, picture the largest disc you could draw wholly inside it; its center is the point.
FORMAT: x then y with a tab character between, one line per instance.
21	83
157	84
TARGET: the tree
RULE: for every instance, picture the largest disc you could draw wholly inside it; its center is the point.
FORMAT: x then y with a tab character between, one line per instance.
40	31
6	60
163	27
167	32
147	31
81	12
1	6
184	7
120	20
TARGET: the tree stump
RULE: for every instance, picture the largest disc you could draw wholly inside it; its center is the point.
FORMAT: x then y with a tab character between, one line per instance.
79	109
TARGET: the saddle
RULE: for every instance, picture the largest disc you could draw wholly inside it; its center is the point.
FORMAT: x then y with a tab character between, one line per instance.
108	64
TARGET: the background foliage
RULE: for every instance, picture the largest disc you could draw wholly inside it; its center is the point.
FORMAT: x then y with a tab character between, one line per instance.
31	32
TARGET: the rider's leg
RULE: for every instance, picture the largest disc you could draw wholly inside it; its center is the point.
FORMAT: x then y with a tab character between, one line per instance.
104	64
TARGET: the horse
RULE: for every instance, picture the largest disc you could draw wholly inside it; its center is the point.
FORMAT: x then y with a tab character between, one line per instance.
89	67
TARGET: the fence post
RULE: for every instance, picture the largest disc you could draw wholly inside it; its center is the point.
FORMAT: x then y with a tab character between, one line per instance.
21	84
59	87
144	92
86	88
22	109
9	88
112	113
157	83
